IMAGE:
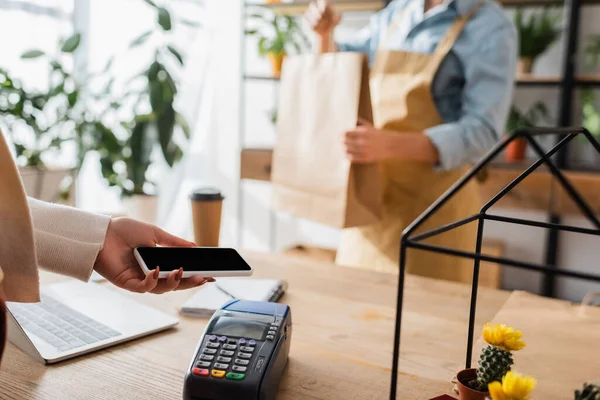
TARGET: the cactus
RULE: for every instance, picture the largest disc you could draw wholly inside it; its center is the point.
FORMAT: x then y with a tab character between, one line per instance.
494	363
590	391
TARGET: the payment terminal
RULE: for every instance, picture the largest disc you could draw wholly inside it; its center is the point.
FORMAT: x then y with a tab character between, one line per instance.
242	353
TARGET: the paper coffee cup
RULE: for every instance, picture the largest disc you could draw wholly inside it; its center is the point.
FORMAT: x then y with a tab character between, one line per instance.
206	214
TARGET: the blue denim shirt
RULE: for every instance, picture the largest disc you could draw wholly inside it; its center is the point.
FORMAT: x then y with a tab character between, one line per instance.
474	84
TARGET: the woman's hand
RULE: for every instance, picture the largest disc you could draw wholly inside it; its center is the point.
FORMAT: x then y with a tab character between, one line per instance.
117	264
366	144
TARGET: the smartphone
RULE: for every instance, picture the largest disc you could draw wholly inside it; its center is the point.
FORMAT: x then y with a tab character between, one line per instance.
204	261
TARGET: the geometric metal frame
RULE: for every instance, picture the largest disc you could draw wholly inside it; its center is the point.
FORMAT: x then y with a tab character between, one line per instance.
409	240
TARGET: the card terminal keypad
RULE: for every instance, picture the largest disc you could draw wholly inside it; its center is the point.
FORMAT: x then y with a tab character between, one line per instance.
224	359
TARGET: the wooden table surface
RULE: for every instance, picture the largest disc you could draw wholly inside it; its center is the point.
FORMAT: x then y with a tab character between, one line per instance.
341	346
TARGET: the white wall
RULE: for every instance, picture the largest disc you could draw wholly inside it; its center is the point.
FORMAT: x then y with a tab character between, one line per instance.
262	229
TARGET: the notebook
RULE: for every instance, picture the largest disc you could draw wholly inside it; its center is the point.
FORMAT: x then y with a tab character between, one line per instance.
209	298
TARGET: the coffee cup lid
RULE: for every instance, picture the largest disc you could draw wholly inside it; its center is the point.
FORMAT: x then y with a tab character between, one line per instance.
206	194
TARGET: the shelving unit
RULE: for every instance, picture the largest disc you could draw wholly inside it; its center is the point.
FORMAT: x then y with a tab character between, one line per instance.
298	8
566	84
584	80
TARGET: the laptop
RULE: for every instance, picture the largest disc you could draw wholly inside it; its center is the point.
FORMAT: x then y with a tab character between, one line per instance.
75	318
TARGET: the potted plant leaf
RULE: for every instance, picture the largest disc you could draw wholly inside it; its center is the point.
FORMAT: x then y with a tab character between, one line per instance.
494	362
278	35
515	151
590	113
125	161
39	123
513	387
590	391
536	34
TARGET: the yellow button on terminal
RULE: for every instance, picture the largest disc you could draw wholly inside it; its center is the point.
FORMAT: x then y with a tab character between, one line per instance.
217	373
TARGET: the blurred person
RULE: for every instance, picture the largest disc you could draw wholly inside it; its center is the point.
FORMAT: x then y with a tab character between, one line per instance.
442	75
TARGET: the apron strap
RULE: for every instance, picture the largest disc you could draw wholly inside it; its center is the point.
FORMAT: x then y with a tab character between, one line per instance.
392	27
445	45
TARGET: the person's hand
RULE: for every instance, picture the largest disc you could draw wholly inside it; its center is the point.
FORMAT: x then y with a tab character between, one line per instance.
366	144
322	17
117	264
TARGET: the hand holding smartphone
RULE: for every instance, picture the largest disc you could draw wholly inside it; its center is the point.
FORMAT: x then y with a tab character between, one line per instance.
204	261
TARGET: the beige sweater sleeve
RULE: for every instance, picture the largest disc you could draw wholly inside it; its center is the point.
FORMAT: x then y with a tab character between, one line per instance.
67	240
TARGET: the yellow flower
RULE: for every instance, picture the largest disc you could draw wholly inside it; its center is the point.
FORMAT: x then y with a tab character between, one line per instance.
513	387
503	336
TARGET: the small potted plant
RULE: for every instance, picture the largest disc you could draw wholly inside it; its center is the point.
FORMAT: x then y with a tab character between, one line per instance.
589	110
535	35
590	391
513	387
494	362
515	151
278	35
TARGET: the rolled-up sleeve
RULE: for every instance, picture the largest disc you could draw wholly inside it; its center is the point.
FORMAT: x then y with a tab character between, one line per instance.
486	98
359	42
366	40
67	240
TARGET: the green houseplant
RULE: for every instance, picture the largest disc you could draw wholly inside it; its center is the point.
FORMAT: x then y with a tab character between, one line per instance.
591	115
156	123
40	123
590	391
536	34
516	150
278	35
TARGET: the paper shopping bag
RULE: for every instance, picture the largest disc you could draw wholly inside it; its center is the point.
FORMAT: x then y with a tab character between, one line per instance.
321	97
563	343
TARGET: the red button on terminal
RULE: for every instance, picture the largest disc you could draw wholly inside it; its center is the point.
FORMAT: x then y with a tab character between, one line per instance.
200	371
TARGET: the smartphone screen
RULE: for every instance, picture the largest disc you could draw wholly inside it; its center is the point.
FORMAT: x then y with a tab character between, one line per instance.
193	259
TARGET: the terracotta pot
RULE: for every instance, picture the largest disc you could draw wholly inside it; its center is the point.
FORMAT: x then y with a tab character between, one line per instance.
524	66
464	391
273	1
141	207
276	63
47	184
515	151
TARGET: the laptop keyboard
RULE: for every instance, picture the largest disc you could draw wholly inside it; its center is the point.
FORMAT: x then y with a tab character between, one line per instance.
59	325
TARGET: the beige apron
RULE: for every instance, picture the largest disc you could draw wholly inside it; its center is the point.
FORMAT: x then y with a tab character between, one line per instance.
402	101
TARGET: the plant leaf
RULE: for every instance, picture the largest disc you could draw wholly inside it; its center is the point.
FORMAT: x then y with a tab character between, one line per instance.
108	64
190	23
164	18
153	4
72	43
141	145
72	97
32	54
156	99
176	53
166	124
140	39
180	120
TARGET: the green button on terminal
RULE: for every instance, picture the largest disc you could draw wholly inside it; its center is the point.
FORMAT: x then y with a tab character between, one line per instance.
234	376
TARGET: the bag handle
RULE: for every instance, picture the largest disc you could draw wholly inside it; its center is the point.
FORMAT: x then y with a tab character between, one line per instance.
590	300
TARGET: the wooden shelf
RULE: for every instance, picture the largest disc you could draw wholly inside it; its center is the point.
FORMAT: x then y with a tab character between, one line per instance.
584	80
253	77
534	193
540	80
298	8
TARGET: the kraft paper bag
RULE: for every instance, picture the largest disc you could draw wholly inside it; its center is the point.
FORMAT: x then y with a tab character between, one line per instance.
563	343
321	97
